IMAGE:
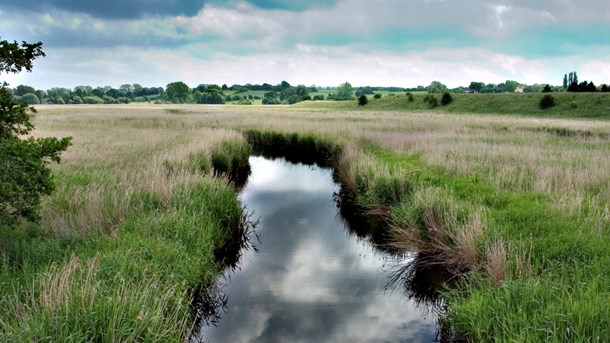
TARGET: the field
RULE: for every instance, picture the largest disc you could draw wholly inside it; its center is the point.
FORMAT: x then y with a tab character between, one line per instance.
517	204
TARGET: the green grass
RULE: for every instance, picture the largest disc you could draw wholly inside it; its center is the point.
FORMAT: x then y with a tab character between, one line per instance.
559	295
133	287
138	221
568	105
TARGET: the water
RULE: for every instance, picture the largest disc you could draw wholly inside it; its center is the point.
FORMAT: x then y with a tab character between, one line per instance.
311	280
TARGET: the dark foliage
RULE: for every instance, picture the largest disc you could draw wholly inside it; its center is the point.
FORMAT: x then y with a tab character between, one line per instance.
363	100
547	101
24	172
446	99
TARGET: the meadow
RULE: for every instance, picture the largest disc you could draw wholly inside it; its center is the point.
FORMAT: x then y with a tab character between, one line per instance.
517	205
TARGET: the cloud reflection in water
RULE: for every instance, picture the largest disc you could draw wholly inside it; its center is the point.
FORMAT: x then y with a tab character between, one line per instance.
310	280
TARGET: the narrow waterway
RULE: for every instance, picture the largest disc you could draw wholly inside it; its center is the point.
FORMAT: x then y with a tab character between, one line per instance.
310	280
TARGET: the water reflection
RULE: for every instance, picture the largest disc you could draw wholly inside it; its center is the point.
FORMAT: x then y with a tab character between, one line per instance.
310	281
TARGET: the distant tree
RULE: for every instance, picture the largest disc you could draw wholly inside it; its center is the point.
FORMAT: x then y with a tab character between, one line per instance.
24	172
284	85
76	100
83	90
23	89
605	88
363	100
93	100
573	82
565	81
213	94
509	86
99	92
42	95
547	89
126	90
302	91
345	92
30	99
476	86
436	87
532	89
177	92
138	90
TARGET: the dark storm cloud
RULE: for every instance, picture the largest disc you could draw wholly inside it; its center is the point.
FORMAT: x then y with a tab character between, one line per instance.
132	9
113	9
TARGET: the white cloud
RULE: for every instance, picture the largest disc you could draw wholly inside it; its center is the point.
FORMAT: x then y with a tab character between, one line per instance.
243	43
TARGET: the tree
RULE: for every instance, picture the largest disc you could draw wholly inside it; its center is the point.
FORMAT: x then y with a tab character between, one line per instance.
363	100
345	92
436	87
177	92
24	172
476	86
23	90
30	99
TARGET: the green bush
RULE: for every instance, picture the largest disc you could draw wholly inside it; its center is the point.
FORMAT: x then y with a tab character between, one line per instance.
431	100
363	100
446	99
547	101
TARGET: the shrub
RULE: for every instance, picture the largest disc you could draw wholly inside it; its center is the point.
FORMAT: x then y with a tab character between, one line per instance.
446	99
547	101
431	100
363	100
377	96
410	96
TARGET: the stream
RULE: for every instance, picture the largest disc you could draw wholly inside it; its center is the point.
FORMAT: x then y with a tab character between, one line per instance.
310	279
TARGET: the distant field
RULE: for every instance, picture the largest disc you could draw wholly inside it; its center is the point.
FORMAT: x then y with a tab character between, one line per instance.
513	197
568	105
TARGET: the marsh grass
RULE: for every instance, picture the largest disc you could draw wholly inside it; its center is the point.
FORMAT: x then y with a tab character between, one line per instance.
129	236
519	201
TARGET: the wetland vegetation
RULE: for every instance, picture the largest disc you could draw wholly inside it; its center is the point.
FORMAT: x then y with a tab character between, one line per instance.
515	205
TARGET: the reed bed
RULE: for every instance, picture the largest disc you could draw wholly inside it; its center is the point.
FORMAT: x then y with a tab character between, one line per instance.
518	203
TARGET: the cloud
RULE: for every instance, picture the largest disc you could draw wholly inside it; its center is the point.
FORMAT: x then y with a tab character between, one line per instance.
112	9
310	282
292	5
325	42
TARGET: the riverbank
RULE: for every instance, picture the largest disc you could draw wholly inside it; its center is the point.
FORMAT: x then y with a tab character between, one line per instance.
518	204
137	226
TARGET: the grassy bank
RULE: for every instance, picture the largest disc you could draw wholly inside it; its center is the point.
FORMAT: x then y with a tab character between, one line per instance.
567	105
132	233
517	203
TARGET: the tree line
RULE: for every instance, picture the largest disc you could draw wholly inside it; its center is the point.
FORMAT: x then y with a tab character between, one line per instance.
282	93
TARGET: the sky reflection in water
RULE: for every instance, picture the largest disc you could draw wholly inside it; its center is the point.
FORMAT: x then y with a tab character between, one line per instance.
310	281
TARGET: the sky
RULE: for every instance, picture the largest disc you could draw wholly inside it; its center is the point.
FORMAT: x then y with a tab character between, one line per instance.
402	43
